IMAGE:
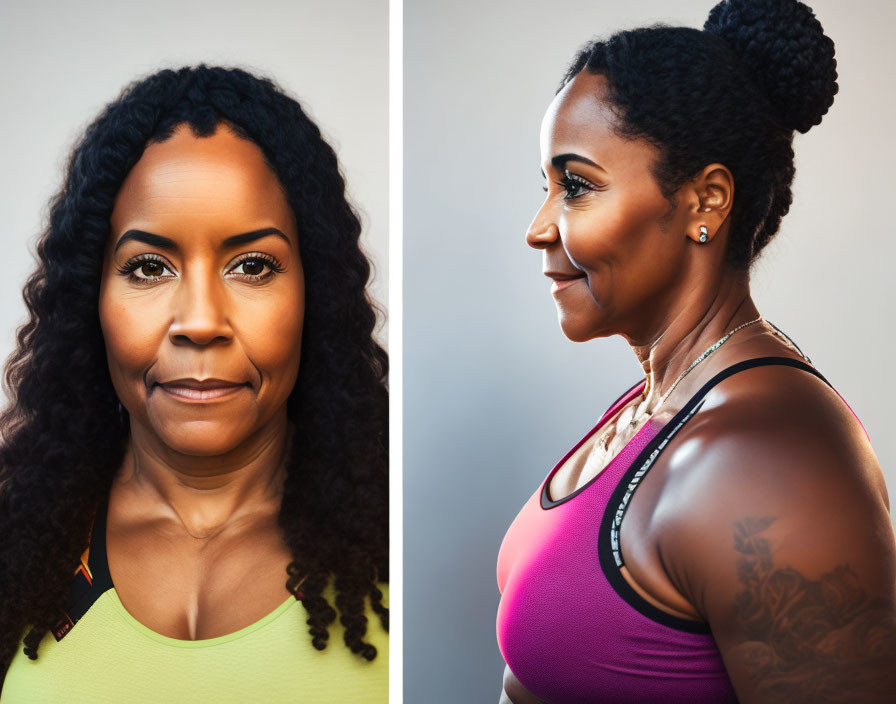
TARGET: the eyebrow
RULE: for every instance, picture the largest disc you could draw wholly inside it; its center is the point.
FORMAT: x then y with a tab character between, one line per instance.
559	161
166	243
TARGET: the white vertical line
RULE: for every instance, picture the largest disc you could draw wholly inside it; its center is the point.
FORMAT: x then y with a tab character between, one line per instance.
396	203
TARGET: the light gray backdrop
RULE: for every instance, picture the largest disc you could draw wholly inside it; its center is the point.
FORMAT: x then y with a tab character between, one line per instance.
61	62
493	392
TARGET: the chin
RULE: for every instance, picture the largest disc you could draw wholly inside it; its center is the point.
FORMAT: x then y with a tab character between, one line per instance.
581	328
575	331
203	438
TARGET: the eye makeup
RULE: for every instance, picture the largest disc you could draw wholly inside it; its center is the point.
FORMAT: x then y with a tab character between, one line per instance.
575	186
137	264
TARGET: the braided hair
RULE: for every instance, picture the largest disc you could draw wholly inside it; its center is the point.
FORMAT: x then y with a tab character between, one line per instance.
63	435
733	93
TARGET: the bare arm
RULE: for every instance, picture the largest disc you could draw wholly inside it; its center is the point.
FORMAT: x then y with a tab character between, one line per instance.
829	637
785	546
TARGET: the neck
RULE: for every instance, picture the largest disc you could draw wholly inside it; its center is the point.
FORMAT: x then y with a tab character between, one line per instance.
207	493
689	328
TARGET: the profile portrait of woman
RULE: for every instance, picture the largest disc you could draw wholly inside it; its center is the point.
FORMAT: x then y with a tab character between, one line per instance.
723	533
193	468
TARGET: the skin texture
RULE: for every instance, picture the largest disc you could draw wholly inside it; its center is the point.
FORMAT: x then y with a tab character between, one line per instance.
791	558
194	503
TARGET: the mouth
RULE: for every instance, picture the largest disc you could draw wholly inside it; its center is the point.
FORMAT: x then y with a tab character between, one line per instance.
193	390
563	280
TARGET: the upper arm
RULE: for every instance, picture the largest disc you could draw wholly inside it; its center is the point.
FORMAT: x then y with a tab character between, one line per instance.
785	545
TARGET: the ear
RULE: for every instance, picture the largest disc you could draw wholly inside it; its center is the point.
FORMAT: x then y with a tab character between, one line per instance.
709	198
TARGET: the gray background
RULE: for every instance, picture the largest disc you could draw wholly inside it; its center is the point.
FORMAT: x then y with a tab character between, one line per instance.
61	62
493	392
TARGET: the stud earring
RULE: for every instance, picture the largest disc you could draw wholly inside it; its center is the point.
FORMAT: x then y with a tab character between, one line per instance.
706	210
703	233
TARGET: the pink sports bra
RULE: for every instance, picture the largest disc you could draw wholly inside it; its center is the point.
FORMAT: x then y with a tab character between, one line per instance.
569	625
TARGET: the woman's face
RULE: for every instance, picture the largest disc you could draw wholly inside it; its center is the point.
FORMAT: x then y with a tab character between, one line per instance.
202	280
613	245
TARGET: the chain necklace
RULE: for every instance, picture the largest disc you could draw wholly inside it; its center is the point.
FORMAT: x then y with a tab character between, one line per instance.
635	422
699	359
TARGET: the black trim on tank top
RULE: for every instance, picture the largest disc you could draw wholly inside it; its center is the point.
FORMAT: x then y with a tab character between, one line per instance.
84	593
546	501
608	553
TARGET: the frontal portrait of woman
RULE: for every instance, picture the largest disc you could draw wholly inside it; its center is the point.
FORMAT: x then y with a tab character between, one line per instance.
194	467
720	529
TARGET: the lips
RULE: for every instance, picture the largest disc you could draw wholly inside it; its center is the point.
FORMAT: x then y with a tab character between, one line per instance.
205	390
209	383
564	276
563	279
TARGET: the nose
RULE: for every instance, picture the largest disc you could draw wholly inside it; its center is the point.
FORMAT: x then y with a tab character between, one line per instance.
200	312
543	230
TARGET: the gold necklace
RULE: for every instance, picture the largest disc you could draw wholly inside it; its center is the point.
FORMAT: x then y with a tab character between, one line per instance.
639	421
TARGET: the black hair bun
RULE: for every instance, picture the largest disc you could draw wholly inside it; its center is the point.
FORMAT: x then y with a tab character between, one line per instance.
783	44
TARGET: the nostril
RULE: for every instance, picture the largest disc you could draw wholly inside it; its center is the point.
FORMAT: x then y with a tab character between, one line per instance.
540	237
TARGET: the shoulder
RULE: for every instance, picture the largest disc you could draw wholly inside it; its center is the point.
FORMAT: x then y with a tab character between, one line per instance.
776	441
782	429
776	527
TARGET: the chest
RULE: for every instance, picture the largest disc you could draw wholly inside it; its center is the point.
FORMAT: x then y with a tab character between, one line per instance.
613	443
614	447
192	589
564	626
592	456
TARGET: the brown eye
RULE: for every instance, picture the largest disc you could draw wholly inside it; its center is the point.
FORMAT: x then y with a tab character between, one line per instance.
574	186
145	270
253	267
151	269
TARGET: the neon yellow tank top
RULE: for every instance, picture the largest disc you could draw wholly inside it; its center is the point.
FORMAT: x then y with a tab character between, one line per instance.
101	654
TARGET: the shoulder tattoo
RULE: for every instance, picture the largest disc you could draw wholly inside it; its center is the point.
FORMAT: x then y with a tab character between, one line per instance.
812	641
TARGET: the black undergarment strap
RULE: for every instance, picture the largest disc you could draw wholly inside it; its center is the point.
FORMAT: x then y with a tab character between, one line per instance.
84	592
99	564
748	364
608	551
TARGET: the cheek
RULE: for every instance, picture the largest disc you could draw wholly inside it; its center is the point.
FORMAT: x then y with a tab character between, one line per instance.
596	236
268	329
618	232
131	334
273	334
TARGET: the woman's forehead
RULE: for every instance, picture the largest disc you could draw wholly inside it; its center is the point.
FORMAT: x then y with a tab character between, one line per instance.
189	180
580	107
188	166
582	120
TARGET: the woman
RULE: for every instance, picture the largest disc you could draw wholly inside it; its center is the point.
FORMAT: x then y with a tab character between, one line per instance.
198	426
722	534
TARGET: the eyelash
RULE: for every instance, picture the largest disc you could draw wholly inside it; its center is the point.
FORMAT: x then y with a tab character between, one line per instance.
131	266
571	181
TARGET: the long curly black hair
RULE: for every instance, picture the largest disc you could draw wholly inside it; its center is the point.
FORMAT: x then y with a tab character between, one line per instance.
731	94
64	435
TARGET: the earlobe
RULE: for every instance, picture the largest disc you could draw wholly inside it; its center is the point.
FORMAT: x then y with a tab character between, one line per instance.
702	236
712	194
